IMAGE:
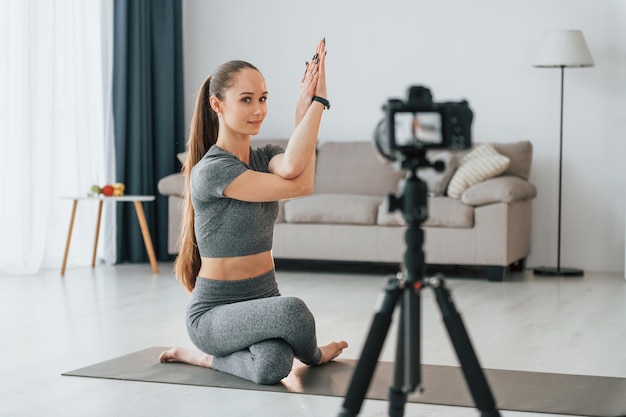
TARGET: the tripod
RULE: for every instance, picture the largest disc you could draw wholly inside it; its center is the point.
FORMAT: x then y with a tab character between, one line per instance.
404	289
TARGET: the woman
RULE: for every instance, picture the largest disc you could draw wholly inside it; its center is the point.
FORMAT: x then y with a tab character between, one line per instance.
236	316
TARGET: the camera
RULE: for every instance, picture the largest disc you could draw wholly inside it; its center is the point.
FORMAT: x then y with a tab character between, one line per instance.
419	123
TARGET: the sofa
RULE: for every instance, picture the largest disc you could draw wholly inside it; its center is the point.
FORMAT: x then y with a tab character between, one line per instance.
479	208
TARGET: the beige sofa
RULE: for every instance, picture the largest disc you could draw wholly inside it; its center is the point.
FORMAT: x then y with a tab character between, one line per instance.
346	218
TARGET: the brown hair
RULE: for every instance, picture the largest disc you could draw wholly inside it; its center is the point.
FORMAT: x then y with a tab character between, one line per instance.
202	135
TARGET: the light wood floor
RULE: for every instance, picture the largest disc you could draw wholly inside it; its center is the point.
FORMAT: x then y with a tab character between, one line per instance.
52	324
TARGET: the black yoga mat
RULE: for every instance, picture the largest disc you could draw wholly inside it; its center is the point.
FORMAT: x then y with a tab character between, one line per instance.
513	390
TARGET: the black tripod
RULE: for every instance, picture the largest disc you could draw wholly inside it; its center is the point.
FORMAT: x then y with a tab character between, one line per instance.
405	289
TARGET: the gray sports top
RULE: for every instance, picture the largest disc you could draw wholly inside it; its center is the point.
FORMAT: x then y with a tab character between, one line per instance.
224	226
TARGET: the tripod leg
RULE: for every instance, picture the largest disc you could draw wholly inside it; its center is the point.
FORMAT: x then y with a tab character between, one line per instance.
474	376
366	365
407	369
397	394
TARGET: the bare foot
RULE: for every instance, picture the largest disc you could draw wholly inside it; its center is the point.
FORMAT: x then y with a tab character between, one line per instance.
190	356
331	351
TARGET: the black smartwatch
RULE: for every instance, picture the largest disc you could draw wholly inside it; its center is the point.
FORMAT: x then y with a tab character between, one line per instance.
325	102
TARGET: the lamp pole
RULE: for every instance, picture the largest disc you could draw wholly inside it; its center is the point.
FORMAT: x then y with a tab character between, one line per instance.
558	271
558	253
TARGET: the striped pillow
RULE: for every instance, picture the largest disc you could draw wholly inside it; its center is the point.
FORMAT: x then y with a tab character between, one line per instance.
482	163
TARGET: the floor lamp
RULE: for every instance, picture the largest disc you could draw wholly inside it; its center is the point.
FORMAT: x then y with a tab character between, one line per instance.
562	49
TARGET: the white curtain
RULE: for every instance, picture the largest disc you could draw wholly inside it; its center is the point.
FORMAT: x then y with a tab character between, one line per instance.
55	129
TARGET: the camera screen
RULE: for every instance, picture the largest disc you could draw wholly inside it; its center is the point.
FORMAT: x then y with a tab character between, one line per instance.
422	127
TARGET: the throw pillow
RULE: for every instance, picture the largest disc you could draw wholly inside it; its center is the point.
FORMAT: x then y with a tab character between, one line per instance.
482	163
437	182
504	189
182	157
521	156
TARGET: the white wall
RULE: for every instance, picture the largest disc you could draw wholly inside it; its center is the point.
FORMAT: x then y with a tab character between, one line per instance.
481	50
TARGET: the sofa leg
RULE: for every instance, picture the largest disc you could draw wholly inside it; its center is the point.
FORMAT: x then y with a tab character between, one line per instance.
519	265
496	273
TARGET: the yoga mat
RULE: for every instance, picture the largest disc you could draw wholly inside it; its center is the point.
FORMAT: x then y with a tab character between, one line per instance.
445	385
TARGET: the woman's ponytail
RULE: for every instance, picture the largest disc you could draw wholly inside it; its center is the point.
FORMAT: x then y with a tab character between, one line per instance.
202	135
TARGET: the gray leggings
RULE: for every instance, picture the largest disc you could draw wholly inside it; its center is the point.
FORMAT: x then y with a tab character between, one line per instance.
249	329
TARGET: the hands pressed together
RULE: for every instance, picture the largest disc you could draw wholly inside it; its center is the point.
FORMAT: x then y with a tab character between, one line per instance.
313	82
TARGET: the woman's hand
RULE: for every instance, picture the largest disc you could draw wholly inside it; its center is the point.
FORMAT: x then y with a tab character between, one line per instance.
320	87
313	82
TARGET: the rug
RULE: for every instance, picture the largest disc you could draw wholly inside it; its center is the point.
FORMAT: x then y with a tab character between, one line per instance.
444	385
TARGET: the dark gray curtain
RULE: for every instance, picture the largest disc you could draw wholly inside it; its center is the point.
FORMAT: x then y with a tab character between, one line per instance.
148	113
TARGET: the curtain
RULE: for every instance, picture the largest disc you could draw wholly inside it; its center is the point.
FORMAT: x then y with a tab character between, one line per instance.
53	127
149	114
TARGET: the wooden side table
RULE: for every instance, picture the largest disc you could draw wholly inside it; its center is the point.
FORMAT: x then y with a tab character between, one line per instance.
137	200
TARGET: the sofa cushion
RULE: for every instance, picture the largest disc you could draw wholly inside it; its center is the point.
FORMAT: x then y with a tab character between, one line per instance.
503	189
353	167
437	182
482	163
442	212
386	218
333	208
449	212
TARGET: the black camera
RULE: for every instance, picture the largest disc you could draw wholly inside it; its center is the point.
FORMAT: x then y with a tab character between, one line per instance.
419	124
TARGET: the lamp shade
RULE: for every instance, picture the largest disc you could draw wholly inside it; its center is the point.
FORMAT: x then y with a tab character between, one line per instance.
563	48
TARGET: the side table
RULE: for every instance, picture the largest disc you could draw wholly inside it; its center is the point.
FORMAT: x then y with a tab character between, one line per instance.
137	200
